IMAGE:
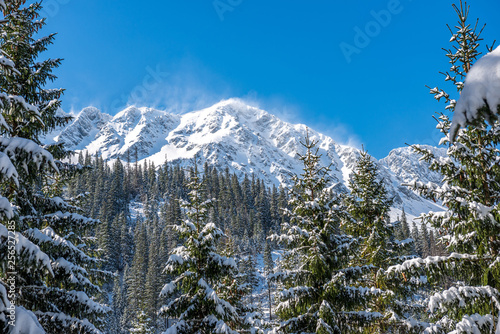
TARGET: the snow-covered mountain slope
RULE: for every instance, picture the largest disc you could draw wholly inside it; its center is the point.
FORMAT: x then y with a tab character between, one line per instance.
405	163
242	138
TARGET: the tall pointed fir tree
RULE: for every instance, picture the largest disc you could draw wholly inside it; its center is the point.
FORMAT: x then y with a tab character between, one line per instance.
318	292
466	295
118	306
404	225
368	206
14	246
200	273
238	290
268	271
154	281
59	289
142	324
136	275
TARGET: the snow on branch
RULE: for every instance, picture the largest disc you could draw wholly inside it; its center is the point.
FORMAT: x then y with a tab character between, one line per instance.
69	299
362	316
5	62
429	262
357	271
66	322
476	323
6	209
7	169
28	250
26	321
20	101
74	273
31	152
462	296
63	219
53	204
297	292
223	261
52	239
481	89
222	307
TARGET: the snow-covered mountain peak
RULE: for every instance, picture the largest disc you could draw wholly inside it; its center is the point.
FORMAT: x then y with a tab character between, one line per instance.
91	113
231	105
128	116
407	165
232	134
83	128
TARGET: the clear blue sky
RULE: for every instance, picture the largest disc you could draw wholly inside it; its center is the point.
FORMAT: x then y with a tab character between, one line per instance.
284	55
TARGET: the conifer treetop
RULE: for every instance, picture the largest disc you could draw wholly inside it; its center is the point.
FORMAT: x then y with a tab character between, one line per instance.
199	272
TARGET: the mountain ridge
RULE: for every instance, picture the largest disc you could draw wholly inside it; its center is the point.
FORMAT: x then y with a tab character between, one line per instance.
242	138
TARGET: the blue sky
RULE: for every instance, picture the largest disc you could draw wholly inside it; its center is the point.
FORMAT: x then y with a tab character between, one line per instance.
298	59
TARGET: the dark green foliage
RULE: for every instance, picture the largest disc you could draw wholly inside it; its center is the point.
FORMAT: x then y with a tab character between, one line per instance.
369	206
404	225
377	248
61	291
466	281
203	277
318	294
136	279
21	42
268	271
159	198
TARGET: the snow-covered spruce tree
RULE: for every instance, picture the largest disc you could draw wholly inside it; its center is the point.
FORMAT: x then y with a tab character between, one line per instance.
19	43
142	324
200	273
268	271
368	206
117	306
238	289
15	249
137	275
318	286
467	281
405	229
24	251
66	302
59	297
154	279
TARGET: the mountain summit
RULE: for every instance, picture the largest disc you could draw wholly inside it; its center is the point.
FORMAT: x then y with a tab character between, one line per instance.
239	137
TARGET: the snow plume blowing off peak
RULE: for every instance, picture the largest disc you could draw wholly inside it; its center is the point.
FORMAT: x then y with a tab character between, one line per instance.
481	89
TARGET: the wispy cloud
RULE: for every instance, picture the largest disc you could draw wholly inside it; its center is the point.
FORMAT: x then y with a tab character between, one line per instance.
295	114
178	88
187	85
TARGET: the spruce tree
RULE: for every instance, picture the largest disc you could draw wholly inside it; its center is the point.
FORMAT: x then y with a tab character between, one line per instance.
59	289
142	324
424	246
26	251
416	239
466	282
154	282
34	114
404	225
117	306
368	206
137	274
317	283
268	271
200	273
